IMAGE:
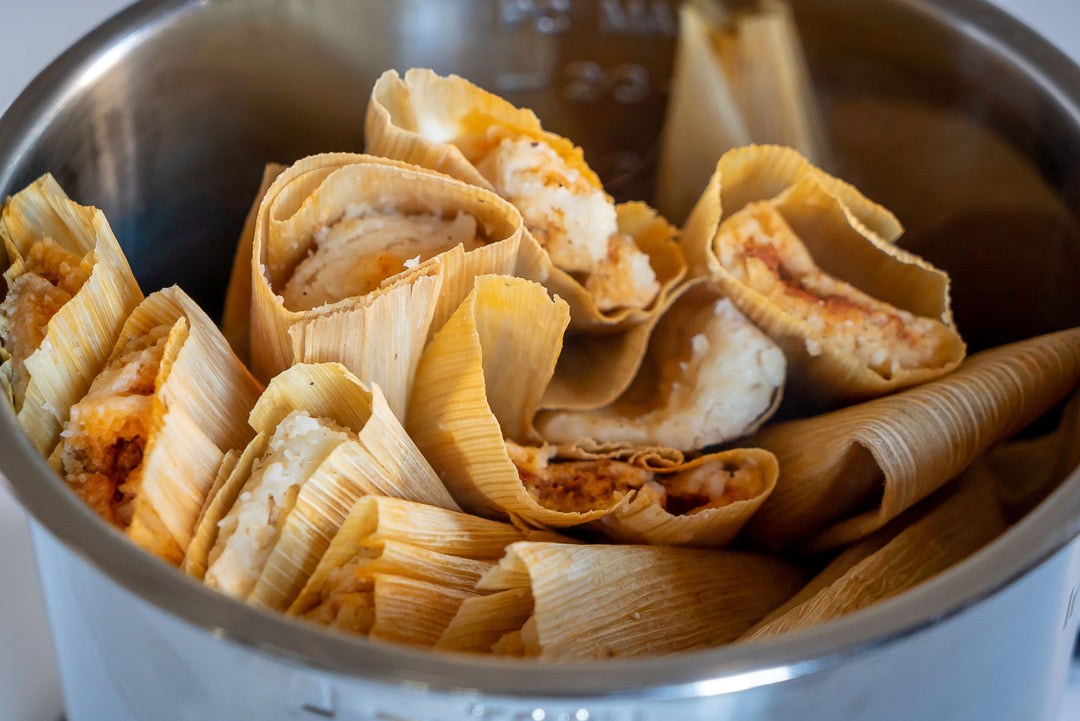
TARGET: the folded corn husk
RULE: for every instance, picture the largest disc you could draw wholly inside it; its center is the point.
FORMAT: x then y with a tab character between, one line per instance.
762	172
44	376
363	450
408	565
315	193
236	318
736	80
915	547
856	315
892	452
709	376
184	412
448	124
618	601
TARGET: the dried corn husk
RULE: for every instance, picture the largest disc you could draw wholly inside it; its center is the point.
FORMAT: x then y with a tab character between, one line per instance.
618	601
219	500
412	611
377	523
200	396
375	457
480	380
762	172
737	79
912	549
892	452
236	318
481	621
80	335
448	124
709	376
316	192
857	316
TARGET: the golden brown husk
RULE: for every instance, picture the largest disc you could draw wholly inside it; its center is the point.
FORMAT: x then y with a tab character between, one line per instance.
892	452
316	191
80	336
618	601
914	548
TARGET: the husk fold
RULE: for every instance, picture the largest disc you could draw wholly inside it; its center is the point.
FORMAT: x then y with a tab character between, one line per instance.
889	453
596	601
81	334
314	193
377	458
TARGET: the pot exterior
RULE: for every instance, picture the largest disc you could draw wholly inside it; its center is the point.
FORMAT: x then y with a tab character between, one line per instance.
1002	659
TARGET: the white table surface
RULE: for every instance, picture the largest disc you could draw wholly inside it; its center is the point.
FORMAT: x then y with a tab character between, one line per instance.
33	32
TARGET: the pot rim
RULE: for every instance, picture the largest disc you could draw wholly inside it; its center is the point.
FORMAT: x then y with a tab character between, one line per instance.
1024	547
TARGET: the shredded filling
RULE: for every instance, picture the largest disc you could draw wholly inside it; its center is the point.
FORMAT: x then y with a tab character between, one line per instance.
102	444
51	277
248	532
355	254
574	221
710	375
759	249
574	486
348	599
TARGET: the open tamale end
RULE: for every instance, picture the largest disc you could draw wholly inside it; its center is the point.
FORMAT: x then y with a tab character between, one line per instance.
68	291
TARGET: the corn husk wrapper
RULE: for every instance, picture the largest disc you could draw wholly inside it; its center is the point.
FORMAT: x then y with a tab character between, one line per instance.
376	523
914	548
600	601
480	380
682	395
892	452
381	460
315	192
236	318
441	122
736	80
202	395
822	366
641	520
762	172
481	621
80	336
214	509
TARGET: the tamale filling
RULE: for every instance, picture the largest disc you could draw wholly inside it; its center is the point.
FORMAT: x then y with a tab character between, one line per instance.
574	221
577	486
102	444
51	276
355	254
760	249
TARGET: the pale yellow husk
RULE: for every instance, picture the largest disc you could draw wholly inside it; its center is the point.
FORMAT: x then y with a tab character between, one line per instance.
379	459
964	518
480	380
202	396
377	522
218	501
762	172
595	601
315	192
442	123
236	318
896	282
482	620
80	336
708	376
891	452
736	80
412	611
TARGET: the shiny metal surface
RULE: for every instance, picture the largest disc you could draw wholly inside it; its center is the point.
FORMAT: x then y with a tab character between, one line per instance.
164	117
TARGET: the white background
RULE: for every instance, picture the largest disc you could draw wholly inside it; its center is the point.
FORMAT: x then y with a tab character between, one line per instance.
33	32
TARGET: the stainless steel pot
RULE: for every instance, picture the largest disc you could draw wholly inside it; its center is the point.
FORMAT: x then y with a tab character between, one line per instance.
962	121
